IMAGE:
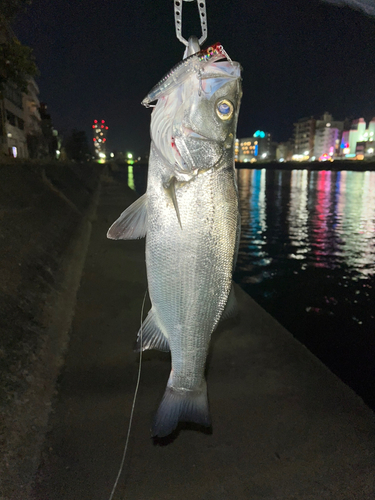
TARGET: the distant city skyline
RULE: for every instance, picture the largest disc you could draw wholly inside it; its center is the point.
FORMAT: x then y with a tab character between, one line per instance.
300	58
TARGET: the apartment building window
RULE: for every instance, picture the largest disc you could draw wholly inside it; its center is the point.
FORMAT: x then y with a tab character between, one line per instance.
14	95
11	118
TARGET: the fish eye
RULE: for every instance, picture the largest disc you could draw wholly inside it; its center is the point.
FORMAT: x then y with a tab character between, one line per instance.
224	109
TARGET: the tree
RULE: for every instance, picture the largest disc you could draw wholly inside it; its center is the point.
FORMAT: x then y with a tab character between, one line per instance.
10	9
17	61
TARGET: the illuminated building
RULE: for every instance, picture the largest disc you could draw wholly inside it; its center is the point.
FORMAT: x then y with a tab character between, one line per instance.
284	151
248	149
236	149
99	131
327	141
304	132
12	123
327	136
255	148
359	139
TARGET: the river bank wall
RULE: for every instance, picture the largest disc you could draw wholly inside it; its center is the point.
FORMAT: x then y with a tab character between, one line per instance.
45	225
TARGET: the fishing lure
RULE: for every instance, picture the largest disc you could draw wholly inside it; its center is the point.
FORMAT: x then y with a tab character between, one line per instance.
182	71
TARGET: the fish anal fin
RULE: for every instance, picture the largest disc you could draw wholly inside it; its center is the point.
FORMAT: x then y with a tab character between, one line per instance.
152	335
132	223
181	405
231	309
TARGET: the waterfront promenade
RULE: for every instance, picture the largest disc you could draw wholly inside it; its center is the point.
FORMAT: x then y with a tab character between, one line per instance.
284	427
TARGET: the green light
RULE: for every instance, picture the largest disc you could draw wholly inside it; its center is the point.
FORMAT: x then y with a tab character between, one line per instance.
131	178
260	134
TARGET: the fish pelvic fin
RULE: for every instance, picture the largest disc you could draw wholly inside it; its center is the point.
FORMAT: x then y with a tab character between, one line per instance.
181	405
231	309
152	335
170	188
132	223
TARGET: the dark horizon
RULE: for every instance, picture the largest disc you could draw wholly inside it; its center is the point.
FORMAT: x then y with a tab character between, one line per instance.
99	60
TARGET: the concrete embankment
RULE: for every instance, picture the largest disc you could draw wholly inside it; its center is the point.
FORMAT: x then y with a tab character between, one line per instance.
284	427
45	212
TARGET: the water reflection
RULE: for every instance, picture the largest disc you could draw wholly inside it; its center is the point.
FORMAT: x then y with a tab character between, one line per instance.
328	218
307	254
252	193
131	177
298	215
134	175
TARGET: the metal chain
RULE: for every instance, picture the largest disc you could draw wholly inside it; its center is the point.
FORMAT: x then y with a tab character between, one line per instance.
178	19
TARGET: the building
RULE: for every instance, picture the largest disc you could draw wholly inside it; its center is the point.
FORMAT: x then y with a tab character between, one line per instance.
358	140
236	149
99	131
13	135
248	150
284	151
256	148
33	122
326	142
327	137
303	136
51	137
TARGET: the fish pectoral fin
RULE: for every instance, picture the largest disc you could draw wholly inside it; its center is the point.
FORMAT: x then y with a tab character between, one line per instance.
181	405
152	335
231	309
170	188
132	223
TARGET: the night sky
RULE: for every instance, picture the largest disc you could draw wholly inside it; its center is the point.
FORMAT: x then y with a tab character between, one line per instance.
99	59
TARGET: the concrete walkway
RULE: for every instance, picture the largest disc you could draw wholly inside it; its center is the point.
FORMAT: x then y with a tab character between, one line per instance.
284	427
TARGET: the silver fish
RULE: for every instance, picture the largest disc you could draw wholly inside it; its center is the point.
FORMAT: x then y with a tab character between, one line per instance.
191	217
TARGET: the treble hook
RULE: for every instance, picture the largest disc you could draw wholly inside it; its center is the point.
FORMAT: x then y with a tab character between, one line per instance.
178	19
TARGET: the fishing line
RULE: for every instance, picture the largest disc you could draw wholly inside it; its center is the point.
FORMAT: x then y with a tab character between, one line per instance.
133	405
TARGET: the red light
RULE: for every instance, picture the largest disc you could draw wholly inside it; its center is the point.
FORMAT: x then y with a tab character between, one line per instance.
102	126
106	128
95	121
104	140
94	139
103	121
93	126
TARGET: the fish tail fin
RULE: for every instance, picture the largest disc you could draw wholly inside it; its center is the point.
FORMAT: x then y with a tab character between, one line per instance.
181	405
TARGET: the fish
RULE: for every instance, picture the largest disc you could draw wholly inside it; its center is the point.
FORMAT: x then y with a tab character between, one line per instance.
190	217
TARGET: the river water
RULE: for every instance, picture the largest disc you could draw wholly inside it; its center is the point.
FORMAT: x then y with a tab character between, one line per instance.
307	255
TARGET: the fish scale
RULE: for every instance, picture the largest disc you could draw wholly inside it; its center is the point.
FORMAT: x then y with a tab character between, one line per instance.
194	265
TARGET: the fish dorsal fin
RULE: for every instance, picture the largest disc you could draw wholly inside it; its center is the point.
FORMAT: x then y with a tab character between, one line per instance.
170	188
132	223
152	335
